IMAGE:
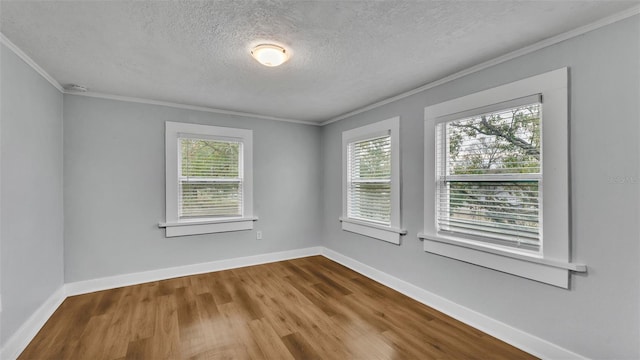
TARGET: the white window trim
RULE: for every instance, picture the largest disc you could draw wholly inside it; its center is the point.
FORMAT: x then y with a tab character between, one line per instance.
552	264
179	227
393	232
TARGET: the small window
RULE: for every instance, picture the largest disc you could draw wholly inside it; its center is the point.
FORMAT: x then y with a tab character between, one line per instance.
210	178
369	174
497	179
371	189
209	182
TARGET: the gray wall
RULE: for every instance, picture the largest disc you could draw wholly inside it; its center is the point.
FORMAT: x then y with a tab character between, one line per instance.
31	264
599	316
114	189
114	195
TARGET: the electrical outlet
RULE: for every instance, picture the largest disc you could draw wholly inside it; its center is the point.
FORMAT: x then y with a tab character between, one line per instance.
259	235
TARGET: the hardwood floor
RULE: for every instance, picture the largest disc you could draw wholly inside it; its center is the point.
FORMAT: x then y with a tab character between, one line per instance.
310	308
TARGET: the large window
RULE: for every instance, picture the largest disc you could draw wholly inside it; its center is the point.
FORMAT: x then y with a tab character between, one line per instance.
209	183
371	188
488	170
497	189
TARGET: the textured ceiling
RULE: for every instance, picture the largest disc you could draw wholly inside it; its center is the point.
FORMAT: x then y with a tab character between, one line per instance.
345	54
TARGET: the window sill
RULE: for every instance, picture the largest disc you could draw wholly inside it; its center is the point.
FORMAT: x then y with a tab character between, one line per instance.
536	268
380	232
183	228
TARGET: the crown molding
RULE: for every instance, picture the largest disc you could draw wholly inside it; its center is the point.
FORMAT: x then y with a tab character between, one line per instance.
495	61
29	61
22	55
487	64
185	106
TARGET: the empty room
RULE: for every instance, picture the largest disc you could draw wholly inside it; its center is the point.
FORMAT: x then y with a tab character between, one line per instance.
320	179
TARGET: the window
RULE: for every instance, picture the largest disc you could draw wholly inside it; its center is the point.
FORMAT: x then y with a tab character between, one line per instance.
369	174
371	181
208	179
499	194
488	175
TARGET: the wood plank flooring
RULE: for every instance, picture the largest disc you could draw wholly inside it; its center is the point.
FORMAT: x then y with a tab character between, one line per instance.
310	308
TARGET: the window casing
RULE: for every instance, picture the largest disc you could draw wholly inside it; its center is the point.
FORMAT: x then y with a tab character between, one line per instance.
371	181
208	179
492	197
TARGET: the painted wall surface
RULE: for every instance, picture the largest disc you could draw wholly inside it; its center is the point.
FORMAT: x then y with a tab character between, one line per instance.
114	174
31	264
599	316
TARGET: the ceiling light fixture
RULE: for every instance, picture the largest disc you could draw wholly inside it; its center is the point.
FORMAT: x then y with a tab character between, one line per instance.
269	54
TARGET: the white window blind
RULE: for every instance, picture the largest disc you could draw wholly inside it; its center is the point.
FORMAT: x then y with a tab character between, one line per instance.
369	180
210	178
489	177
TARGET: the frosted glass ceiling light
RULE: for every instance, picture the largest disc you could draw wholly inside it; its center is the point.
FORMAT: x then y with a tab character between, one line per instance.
270	55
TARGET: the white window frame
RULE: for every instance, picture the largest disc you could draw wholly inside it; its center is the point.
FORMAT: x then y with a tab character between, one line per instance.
390	233
551	264
180	227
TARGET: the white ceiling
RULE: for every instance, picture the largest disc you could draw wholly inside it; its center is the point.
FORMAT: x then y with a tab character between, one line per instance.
345	54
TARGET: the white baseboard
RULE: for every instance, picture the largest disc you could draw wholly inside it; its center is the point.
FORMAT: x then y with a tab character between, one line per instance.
111	282
19	341
518	338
